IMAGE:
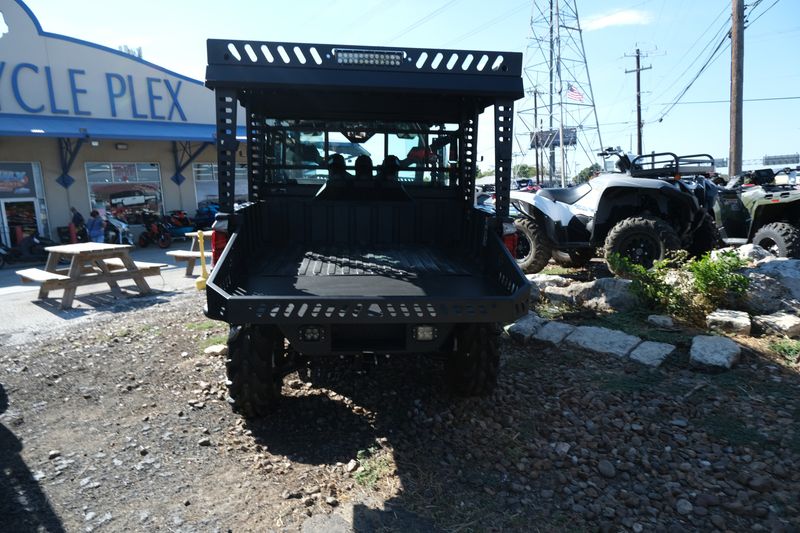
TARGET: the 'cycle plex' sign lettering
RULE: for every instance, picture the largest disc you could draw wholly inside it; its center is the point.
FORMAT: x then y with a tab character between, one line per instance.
44	74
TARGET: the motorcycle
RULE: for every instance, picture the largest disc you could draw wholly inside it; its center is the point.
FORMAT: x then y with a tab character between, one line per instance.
30	249
155	232
178	224
117	231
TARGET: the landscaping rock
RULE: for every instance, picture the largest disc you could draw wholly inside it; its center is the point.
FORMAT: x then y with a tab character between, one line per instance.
774	286
781	323
652	353
713	352
525	327
540	281
729	321
603	340
661	321
610	294
562	295
748	252
216	349
553	332
605	294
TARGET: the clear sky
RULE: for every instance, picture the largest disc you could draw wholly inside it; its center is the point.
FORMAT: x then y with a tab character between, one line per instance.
674	34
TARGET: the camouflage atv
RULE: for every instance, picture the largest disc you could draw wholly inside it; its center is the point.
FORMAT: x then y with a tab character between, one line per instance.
761	207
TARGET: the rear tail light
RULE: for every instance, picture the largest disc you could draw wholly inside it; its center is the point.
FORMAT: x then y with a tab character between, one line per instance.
219	238
510	237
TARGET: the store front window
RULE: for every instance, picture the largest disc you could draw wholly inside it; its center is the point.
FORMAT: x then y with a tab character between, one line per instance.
207	188
23	210
127	191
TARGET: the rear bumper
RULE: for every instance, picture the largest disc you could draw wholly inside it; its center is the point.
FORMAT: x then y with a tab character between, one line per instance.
227	303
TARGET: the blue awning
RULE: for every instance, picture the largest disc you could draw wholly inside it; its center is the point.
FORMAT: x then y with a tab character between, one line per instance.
73	127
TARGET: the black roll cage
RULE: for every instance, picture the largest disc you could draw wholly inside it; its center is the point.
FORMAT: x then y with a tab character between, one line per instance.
275	81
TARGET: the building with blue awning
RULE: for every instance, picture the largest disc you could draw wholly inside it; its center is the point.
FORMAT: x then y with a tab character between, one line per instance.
88	126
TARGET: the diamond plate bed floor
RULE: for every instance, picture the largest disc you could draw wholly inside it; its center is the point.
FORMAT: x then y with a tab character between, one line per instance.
329	271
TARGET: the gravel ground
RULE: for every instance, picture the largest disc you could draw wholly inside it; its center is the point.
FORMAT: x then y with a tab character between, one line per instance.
121	423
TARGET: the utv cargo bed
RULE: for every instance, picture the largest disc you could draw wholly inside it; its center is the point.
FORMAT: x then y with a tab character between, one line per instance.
368	272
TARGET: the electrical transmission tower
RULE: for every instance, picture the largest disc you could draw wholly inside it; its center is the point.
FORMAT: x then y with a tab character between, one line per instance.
558	114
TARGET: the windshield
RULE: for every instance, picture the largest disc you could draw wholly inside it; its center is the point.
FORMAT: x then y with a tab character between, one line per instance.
300	151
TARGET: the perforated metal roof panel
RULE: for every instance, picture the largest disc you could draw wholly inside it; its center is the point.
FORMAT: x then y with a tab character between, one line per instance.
334	81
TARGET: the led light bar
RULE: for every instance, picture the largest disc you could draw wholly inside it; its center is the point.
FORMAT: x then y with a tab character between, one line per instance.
369	57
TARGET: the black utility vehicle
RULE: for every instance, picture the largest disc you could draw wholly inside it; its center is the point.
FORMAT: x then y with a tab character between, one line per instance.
360	235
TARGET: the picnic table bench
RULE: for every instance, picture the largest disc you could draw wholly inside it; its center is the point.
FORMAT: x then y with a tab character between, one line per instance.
90	263
192	255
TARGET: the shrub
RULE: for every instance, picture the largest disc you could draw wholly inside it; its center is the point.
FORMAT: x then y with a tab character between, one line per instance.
683	287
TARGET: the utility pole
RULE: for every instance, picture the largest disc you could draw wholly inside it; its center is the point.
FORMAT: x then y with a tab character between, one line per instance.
639	123
737	75
535	126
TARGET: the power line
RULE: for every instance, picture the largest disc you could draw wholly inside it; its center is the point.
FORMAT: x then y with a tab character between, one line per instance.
488	24
715	54
748	22
746	100
419	22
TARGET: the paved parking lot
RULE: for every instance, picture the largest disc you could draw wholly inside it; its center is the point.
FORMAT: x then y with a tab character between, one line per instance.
23	316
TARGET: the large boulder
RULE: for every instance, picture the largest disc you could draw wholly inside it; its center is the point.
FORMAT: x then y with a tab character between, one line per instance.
781	323
716	353
604	294
774	286
603	340
541	281
729	321
748	252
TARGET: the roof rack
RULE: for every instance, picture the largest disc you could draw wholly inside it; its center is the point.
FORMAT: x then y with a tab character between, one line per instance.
264	64
668	164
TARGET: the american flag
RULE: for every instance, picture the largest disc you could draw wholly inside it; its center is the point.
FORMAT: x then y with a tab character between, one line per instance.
574	94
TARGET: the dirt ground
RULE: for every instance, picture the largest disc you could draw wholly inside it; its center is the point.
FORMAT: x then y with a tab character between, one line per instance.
121	423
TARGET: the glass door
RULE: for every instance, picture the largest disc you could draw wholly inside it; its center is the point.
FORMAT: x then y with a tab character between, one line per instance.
19	219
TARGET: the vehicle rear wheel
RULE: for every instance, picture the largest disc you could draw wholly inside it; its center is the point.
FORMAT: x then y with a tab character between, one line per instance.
573	258
254	385
533	250
706	237
643	240
164	240
779	238
144	240
472	366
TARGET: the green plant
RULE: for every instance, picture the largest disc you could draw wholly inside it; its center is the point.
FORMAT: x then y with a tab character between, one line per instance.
786	348
374	465
718	277
685	287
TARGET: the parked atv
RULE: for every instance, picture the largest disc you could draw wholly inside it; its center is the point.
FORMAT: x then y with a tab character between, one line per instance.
641	212
752	207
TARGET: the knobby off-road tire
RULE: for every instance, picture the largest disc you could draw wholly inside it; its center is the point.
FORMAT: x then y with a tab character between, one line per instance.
254	386
779	238
706	237
643	240
472	366
573	258
537	254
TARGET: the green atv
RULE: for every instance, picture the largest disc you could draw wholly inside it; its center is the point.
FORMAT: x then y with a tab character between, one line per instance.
761	207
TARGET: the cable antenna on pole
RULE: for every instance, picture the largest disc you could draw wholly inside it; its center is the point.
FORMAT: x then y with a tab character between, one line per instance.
558	113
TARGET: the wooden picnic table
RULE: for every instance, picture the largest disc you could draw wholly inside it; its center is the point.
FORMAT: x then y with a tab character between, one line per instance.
192	255
90	263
